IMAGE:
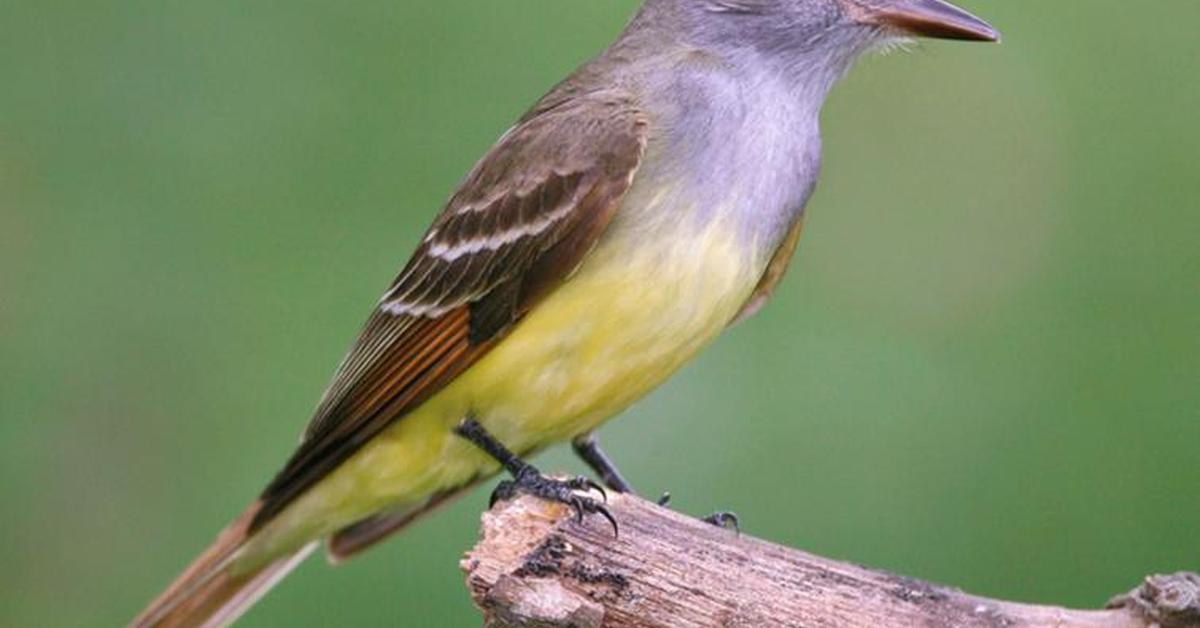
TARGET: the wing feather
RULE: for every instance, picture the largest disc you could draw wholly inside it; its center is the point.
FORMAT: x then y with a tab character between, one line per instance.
520	223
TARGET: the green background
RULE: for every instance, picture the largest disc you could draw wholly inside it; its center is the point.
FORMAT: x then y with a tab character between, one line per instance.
984	368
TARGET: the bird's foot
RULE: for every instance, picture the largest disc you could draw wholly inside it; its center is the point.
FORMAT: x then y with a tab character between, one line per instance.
721	518
724	519
530	481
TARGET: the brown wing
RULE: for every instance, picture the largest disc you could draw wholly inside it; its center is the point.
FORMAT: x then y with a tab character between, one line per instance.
522	221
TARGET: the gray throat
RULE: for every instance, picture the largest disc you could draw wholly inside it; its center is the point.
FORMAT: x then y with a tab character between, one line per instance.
737	128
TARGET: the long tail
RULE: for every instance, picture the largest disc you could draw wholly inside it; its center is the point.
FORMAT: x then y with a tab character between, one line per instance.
208	593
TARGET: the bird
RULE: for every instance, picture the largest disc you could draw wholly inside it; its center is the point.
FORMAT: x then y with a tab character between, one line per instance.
649	201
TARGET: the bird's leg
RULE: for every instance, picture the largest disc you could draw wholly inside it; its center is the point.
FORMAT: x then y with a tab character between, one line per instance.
528	480
587	447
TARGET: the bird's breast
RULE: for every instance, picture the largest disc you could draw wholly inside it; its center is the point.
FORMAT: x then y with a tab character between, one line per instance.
645	301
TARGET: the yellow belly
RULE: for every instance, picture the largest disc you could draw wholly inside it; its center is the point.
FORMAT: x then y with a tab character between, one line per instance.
638	308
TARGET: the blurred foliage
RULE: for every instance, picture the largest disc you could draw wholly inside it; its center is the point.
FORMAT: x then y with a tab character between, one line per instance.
984	368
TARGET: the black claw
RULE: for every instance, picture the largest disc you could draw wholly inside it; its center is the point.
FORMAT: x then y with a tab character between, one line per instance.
530	482
721	519
724	519
526	479
504	491
611	519
587	484
599	489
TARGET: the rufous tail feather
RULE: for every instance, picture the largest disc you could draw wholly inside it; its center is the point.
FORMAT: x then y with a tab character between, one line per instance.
208	593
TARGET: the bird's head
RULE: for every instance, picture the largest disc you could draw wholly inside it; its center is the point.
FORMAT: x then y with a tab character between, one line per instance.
814	32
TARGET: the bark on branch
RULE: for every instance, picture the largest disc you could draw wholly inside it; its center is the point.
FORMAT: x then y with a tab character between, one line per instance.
536	567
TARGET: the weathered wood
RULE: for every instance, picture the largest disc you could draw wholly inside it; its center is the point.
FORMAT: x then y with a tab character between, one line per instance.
536	567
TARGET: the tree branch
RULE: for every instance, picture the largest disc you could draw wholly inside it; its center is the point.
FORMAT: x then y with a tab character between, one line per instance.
536	567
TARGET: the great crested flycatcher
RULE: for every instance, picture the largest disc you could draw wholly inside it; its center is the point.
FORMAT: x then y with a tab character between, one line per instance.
646	203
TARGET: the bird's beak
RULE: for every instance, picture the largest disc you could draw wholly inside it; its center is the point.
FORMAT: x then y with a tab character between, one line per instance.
926	18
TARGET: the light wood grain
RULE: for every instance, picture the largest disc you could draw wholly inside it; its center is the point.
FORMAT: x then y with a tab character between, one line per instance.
536	567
